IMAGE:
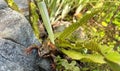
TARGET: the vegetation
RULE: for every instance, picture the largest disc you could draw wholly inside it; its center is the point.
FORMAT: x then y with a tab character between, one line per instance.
90	42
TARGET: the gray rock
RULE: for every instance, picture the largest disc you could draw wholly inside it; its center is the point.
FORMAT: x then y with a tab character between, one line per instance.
14	26
2	2
13	57
16	34
22	4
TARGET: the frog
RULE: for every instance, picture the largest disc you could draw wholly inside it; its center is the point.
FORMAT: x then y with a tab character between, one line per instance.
44	50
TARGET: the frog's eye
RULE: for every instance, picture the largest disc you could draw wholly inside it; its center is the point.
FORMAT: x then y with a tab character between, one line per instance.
40	53
40	49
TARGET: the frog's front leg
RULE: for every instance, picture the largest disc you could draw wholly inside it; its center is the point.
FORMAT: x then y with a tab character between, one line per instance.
30	48
42	50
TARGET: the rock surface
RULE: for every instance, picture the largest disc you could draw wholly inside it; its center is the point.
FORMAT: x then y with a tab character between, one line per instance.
22	4
15	35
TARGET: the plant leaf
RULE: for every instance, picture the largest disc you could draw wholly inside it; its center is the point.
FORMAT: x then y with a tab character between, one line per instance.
53	7
63	44
113	65
12	5
46	21
111	57
76	25
34	18
92	45
78	56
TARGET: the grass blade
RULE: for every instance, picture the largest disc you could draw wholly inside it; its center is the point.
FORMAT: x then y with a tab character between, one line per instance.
46	21
76	25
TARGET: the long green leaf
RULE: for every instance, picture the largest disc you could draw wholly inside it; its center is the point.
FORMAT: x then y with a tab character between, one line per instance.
34	18
12	5
53	7
76	25
111	57
113	65
78	56
46	20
